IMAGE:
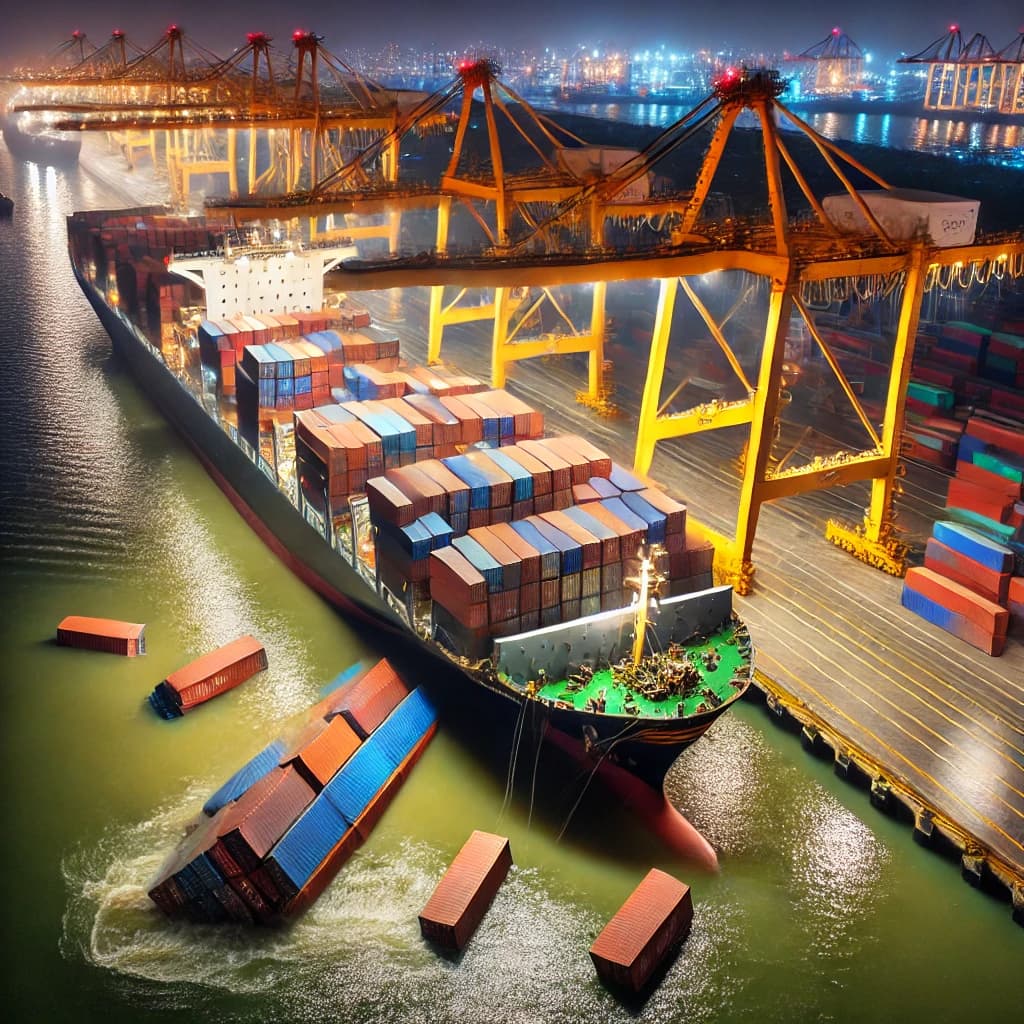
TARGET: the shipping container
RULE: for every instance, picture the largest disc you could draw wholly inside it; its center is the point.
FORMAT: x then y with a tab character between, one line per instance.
251	772
466	890
110	635
305	846
252	825
359	780
366	702
405	726
321	749
645	932
208	676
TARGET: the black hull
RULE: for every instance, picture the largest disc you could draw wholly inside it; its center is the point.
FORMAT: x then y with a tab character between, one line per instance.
58	150
645	747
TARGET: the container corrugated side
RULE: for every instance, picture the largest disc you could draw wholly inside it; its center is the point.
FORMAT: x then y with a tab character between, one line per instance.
405	726
251	772
358	782
465	891
644	932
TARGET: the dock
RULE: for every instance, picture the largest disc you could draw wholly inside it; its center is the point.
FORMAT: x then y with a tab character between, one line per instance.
933	726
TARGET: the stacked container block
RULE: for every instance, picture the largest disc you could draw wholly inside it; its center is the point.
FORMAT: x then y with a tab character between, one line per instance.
277	832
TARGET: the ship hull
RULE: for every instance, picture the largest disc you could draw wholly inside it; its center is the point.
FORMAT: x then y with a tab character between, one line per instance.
44	148
645	747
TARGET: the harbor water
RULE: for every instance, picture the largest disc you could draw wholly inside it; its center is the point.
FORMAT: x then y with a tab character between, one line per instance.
823	909
958	136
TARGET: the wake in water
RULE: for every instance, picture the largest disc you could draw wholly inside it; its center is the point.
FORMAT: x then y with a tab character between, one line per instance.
357	954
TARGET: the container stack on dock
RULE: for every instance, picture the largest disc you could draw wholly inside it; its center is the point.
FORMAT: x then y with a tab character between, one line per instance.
110	635
962	370
646	931
460	901
964	586
209	676
275	834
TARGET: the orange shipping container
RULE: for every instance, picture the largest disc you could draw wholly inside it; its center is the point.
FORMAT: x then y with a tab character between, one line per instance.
110	635
216	672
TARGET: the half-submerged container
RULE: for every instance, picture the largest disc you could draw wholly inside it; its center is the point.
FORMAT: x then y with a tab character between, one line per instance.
466	890
209	676
646	931
110	635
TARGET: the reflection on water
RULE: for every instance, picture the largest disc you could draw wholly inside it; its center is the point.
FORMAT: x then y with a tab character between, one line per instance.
945	136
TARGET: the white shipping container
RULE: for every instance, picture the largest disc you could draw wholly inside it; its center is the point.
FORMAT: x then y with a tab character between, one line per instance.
906	213
589	163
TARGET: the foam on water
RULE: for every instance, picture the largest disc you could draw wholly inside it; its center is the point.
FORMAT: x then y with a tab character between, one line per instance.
357	954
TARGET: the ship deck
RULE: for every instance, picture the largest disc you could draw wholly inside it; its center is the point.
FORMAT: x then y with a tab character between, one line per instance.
934	725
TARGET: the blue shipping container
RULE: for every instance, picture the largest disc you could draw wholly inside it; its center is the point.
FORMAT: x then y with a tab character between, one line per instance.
975	545
404	727
252	771
305	846
359	780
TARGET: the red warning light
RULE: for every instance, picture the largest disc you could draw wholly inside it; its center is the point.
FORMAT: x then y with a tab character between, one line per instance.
954	28
298	34
835	31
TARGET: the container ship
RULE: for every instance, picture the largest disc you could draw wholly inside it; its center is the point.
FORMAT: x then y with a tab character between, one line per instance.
37	143
418	498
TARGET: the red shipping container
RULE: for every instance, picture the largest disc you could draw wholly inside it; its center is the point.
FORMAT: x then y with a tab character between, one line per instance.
561	471
368	701
216	672
540	472
465	891
645	932
975	498
261	815
528	555
977	610
321	749
982	580
996	483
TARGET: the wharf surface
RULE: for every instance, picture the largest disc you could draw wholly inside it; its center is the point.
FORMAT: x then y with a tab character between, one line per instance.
935	726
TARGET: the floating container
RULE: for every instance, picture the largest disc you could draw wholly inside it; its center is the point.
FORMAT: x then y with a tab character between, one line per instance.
249	774
110	635
405	726
298	854
321	749
646	931
466	890
366	702
362	776
252	825
209	676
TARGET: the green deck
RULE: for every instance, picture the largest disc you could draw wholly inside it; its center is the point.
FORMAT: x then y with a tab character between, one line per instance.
732	664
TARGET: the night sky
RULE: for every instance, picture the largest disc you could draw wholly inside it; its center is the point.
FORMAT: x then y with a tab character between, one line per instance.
882	26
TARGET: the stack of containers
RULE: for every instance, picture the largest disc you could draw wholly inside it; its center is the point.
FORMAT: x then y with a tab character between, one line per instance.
964	586
277	832
930	432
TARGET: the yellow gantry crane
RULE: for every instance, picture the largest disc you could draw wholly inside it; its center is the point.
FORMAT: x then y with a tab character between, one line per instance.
576	219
